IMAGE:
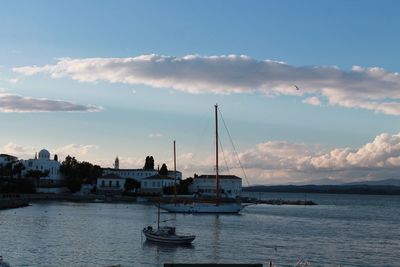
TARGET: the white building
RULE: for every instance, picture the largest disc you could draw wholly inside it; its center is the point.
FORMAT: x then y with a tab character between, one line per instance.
155	184
6	159
110	184
53	182
231	185
138	174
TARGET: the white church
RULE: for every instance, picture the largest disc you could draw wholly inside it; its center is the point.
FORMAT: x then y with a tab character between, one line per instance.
53	182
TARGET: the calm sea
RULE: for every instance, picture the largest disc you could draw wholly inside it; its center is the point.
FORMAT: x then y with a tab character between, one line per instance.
345	230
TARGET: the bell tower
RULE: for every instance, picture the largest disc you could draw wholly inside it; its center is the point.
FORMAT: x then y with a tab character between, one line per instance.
116	163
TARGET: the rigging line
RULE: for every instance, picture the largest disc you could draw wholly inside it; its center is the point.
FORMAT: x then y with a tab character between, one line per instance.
223	155
206	126
234	148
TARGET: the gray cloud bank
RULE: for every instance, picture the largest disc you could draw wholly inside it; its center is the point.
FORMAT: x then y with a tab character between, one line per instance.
283	162
280	162
366	88
17	103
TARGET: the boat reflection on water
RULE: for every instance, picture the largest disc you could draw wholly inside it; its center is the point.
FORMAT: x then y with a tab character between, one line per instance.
165	247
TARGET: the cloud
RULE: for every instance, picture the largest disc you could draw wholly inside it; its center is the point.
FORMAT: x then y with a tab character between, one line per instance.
75	150
154	135
13	80
312	101
365	88
18	150
27	152
280	162
17	103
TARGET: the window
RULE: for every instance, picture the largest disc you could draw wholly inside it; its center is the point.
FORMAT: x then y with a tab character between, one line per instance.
102	183
118	183
145	184
109	183
153	184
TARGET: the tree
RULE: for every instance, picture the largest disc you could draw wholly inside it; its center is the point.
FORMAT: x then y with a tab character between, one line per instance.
131	184
6	170
76	173
163	170
35	175
149	163
183	187
17	169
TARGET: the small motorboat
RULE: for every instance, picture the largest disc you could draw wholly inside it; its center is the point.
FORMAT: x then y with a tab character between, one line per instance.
166	234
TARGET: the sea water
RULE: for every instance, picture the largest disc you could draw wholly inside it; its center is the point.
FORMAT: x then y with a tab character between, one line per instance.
343	230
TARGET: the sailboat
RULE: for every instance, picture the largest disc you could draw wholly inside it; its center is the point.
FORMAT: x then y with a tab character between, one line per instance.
166	234
216	205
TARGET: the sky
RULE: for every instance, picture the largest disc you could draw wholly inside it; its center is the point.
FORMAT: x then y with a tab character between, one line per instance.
309	90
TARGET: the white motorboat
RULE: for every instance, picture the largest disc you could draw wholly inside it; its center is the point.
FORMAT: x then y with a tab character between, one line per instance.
166	234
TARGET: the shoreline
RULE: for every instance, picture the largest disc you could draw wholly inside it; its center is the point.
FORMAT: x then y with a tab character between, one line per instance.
23	200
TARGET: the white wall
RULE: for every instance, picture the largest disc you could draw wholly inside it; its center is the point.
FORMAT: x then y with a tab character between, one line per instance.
117	184
232	187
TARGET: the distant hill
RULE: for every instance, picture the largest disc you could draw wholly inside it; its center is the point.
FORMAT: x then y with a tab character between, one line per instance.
392	182
328	189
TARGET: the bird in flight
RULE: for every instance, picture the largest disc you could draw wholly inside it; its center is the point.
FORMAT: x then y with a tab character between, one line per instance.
297	88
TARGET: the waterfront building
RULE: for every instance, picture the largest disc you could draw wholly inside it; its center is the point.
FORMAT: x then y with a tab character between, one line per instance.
137	174
53	181
6	159
155	184
231	185
110	184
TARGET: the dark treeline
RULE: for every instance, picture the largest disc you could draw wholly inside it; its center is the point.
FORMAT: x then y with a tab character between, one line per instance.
328	189
76	173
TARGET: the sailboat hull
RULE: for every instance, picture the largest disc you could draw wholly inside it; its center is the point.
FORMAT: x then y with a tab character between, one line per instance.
202	207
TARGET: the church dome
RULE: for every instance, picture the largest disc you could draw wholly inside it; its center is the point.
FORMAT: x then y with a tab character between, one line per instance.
44	154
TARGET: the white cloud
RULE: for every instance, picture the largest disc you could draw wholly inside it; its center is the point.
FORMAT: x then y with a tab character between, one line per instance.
272	162
279	162
75	150
366	88
13	80
312	101
18	150
27	152
17	103
154	135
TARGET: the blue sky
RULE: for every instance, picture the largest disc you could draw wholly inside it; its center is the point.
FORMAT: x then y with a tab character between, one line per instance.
342	125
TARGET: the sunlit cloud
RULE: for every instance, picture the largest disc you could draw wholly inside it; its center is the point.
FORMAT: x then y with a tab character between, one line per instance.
75	150
28	152
280	162
18	103
154	135
312	101
365	88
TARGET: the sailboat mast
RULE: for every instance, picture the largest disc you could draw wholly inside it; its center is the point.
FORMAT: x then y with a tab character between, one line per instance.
216	157
174	172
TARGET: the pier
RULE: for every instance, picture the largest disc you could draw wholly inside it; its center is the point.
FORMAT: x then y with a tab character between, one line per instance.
278	201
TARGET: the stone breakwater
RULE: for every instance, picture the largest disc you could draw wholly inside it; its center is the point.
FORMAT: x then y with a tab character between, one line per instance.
12	201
